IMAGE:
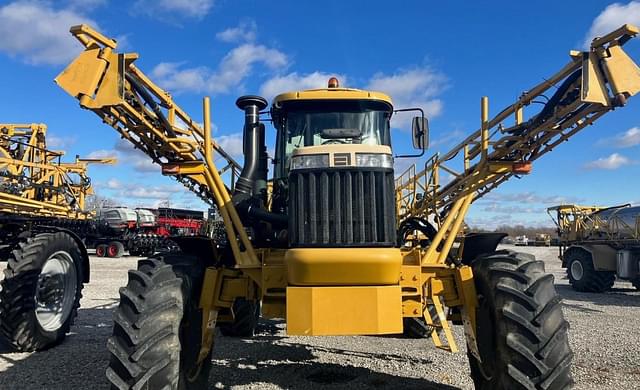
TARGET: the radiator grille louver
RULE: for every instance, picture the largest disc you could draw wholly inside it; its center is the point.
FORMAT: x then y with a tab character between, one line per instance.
342	208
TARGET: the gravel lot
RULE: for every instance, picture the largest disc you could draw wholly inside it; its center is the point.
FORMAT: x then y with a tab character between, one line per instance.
605	337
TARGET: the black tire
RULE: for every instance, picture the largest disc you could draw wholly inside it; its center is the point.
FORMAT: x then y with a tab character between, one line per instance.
156	332
120	248
636	283
101	250
26	291
521	331
415	328
245	320
589	280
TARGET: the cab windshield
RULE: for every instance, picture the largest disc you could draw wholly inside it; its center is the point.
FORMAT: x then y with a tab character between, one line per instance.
324	123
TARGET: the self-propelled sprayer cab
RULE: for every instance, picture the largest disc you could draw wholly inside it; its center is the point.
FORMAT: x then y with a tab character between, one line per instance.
333	154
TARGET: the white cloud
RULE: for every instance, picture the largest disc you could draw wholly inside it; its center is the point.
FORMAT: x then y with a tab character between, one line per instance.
140	161
37	33
529	198
627	139
149	192
86	4
244	32
416	87
170	10
234	68
231	144
103	153
501	208
296	82
614	161
614	16
448	139
114	184
124	153
59	142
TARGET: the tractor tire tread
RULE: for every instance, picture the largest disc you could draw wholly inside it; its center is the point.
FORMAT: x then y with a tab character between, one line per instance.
592	280
532	341
18	325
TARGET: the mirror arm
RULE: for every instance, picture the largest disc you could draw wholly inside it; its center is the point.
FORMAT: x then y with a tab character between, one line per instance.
423	149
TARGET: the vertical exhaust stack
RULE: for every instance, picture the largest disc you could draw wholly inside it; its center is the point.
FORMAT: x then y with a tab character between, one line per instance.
253	178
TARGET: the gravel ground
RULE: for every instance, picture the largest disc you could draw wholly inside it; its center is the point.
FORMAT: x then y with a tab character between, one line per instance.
604	335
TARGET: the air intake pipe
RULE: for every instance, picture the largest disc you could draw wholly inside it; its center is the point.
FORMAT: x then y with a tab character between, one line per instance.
250	193
253	175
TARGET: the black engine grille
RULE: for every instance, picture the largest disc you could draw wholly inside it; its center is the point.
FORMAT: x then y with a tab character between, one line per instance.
342	207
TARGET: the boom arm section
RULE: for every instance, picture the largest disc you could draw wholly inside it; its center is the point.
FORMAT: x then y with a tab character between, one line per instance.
592	84
110	85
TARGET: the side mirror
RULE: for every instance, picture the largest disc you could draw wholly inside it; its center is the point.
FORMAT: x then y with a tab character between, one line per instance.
420	131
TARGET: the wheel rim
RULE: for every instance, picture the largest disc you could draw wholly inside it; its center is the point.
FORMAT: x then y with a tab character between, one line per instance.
577	271
56	291
100	251
113	250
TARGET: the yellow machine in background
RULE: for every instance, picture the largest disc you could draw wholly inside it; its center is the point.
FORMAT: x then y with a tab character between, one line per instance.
332	253
42	221
33	179
598	244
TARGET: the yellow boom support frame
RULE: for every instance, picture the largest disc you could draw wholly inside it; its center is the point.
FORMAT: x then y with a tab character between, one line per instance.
596	82
110	85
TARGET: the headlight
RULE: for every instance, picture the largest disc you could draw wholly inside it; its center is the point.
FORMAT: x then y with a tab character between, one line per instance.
374	160
310	161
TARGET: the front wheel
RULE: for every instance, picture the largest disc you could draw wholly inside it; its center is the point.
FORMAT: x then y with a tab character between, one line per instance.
520	329
157	327
41	291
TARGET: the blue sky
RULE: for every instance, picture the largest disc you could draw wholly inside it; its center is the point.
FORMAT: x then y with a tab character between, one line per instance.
441	56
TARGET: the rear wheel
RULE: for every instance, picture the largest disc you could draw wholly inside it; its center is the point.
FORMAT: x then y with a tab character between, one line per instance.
41	291
520	329
157	327
115	249
101	250
246	314
636	283
583	276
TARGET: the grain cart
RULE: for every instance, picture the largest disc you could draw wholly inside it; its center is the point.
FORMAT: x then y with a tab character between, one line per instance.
597	244
42	225
328	255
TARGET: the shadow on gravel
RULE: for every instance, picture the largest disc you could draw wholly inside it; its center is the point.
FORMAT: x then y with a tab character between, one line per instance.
268	358
625	297
78	363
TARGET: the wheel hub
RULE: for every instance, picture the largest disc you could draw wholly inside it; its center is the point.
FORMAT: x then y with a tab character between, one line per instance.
56	291
577	271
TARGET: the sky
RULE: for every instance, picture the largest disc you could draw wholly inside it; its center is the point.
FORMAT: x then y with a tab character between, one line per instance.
441	56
